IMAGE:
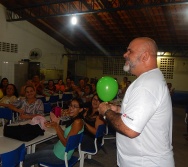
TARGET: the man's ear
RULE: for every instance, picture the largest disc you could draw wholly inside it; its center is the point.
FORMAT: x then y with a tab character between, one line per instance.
145	56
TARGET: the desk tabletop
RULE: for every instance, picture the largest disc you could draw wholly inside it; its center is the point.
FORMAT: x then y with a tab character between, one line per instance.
8	144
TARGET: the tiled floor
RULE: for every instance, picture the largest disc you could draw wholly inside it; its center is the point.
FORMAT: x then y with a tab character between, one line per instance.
107	156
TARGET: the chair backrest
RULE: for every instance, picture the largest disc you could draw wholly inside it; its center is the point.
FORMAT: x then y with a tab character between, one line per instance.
73	142
100	131
54	99
43	99
47	107
67	96
6	113
14	157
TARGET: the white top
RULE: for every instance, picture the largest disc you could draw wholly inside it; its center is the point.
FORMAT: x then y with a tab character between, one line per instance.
147	109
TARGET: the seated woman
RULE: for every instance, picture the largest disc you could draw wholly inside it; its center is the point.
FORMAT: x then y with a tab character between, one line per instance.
38	85
87	95
3	85
11	95
55	153
92	120
30	106
50	89
60	86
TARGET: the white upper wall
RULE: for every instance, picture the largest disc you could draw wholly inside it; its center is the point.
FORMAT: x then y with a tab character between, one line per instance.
28	37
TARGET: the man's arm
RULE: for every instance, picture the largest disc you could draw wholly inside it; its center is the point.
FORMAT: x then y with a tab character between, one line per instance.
115	121
114	118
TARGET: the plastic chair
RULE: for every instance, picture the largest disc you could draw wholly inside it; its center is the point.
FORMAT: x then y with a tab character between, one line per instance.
110	132
72	143
14	157
43	99
6	113
54	100
100	133
47	108
67	96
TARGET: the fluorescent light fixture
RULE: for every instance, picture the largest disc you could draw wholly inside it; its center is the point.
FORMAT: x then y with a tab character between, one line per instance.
74	20
160	53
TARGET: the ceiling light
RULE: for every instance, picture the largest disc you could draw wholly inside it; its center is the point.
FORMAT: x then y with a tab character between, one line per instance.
74	20
160	53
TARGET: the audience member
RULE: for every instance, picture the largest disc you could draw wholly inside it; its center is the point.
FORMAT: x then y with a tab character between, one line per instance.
1	93
87	95
81	84
55	153
60	86
92	120
186	121
171	90
50	89
123	83
3	85
10	96
68	87
38	85
86	80
93	86
30	106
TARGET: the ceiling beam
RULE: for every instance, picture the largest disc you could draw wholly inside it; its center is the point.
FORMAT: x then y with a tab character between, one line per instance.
53	8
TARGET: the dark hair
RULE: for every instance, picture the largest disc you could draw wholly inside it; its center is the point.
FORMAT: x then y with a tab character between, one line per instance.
50	81
80	115
15	90
30	86
1	86
98	97
90	87
79	100
89	112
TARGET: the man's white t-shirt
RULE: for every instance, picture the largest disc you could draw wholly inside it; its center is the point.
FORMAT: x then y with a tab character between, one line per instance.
147	109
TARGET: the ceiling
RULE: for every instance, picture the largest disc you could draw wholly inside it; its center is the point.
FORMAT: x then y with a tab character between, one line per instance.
107	26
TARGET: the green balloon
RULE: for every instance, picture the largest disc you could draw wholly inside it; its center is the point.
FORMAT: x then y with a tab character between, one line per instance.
107	88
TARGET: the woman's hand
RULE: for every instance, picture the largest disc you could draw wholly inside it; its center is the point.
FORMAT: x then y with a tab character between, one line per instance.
52	124
54	118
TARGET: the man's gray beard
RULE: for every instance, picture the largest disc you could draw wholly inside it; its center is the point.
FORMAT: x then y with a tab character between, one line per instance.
126	68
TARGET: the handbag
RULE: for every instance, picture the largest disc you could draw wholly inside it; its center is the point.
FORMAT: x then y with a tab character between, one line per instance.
25	132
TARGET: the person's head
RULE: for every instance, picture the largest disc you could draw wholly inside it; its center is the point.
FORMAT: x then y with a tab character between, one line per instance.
4	82
11	90
81	83
141	56
29	82
50	82
93	86
76	107
68	81
169	85
125	79
60	81
36	78
30	92
86	80
128	83
95	101
87	89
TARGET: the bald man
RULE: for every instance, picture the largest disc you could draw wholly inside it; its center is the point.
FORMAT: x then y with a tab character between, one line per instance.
144	121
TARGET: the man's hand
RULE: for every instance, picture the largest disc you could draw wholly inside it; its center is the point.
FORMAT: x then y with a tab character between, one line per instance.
103	107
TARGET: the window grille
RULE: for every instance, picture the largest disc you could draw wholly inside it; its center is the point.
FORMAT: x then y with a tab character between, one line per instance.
8	47
167	67
114	66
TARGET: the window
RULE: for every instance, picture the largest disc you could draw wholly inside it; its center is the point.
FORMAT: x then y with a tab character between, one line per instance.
167	67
